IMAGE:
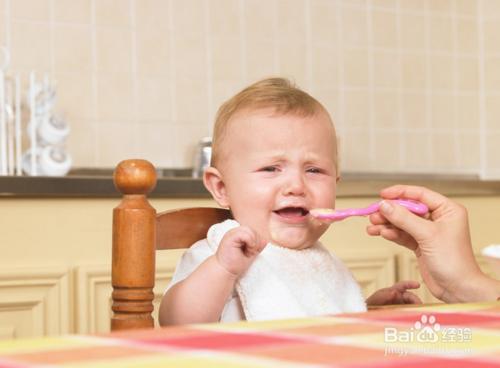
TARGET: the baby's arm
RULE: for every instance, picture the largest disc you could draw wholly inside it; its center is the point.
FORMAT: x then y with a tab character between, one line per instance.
396	294
202	295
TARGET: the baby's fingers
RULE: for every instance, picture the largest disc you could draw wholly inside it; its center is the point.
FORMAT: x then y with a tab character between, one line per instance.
252	244
404	285
411	298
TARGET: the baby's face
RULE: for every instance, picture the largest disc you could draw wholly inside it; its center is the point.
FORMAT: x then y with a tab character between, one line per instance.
275	169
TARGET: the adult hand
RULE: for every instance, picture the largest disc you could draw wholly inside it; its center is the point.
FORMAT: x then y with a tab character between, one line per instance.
441	242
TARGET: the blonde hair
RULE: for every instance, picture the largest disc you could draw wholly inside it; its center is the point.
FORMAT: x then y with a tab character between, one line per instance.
278	93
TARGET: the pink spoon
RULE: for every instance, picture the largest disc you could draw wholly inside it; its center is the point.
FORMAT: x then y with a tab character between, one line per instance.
338	215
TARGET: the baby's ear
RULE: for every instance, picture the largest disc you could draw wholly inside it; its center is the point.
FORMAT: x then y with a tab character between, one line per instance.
212	178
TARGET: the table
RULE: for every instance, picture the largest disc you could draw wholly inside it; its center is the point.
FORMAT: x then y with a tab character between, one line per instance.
453	335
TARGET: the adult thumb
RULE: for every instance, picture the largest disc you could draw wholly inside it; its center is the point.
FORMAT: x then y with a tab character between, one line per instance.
403	219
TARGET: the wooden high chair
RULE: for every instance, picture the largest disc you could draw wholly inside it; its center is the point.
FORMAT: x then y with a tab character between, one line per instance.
138	231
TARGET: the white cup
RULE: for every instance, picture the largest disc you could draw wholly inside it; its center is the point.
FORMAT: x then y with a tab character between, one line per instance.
50	161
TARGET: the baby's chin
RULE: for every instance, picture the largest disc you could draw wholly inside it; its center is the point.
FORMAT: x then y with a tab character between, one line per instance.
292	239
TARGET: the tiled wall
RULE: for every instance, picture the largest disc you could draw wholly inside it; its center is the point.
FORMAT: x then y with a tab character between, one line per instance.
413	85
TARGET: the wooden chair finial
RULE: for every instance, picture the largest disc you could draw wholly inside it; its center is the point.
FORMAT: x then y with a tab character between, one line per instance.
133	260
135	177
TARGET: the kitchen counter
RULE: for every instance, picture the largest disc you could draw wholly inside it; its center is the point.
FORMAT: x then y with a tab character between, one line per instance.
177	183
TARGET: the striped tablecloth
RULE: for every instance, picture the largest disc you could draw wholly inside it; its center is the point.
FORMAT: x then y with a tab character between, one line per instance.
454	335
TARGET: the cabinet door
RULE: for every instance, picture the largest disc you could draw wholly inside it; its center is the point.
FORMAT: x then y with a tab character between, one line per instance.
34	302
372	269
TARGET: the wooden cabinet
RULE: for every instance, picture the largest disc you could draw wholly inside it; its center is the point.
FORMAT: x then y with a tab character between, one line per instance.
56	254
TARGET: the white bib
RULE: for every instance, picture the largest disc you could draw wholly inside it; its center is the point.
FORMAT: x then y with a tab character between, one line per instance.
287	283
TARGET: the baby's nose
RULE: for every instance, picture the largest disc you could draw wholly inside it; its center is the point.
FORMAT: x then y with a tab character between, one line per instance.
295	185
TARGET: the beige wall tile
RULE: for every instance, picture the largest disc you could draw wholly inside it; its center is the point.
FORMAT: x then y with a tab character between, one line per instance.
153	51
325	66
468	73
76	95
414	70
389	4
418	151
72	48
189	18
30	47
444	151
82	142
351	157
292	61
74	11
441	71
357	108
156	143
152	14
491	36
493	151
490	7
291	22
413	30
186	138
384	29
261	60
224	18
114	50
415	5
466	7
441	33
386	69
3	34
226	54
385	110
440	6
222	90
113	13
469	146
191	57
38	10
468	111
442	111
323	22
492	73
388	156
414	111
153	98
329	98
467	36
355	67
354	23
115	98
259	19
191	101
492	103
116	141
162	67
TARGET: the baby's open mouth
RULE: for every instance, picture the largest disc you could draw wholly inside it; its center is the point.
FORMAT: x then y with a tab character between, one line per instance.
291	212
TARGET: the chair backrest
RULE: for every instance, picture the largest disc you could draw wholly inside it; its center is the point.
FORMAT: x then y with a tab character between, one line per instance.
138	231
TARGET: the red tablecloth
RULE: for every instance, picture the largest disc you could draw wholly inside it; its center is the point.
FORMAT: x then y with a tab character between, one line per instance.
455	335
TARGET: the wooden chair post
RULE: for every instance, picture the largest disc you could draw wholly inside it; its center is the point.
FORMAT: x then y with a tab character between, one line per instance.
133	258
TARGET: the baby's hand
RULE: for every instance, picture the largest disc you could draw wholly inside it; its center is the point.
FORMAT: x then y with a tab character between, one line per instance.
237	250
396	294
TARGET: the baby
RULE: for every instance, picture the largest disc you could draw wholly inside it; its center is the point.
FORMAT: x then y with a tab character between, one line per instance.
274	157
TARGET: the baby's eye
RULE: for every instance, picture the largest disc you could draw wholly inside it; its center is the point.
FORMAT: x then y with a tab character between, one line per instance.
269	169
314	170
